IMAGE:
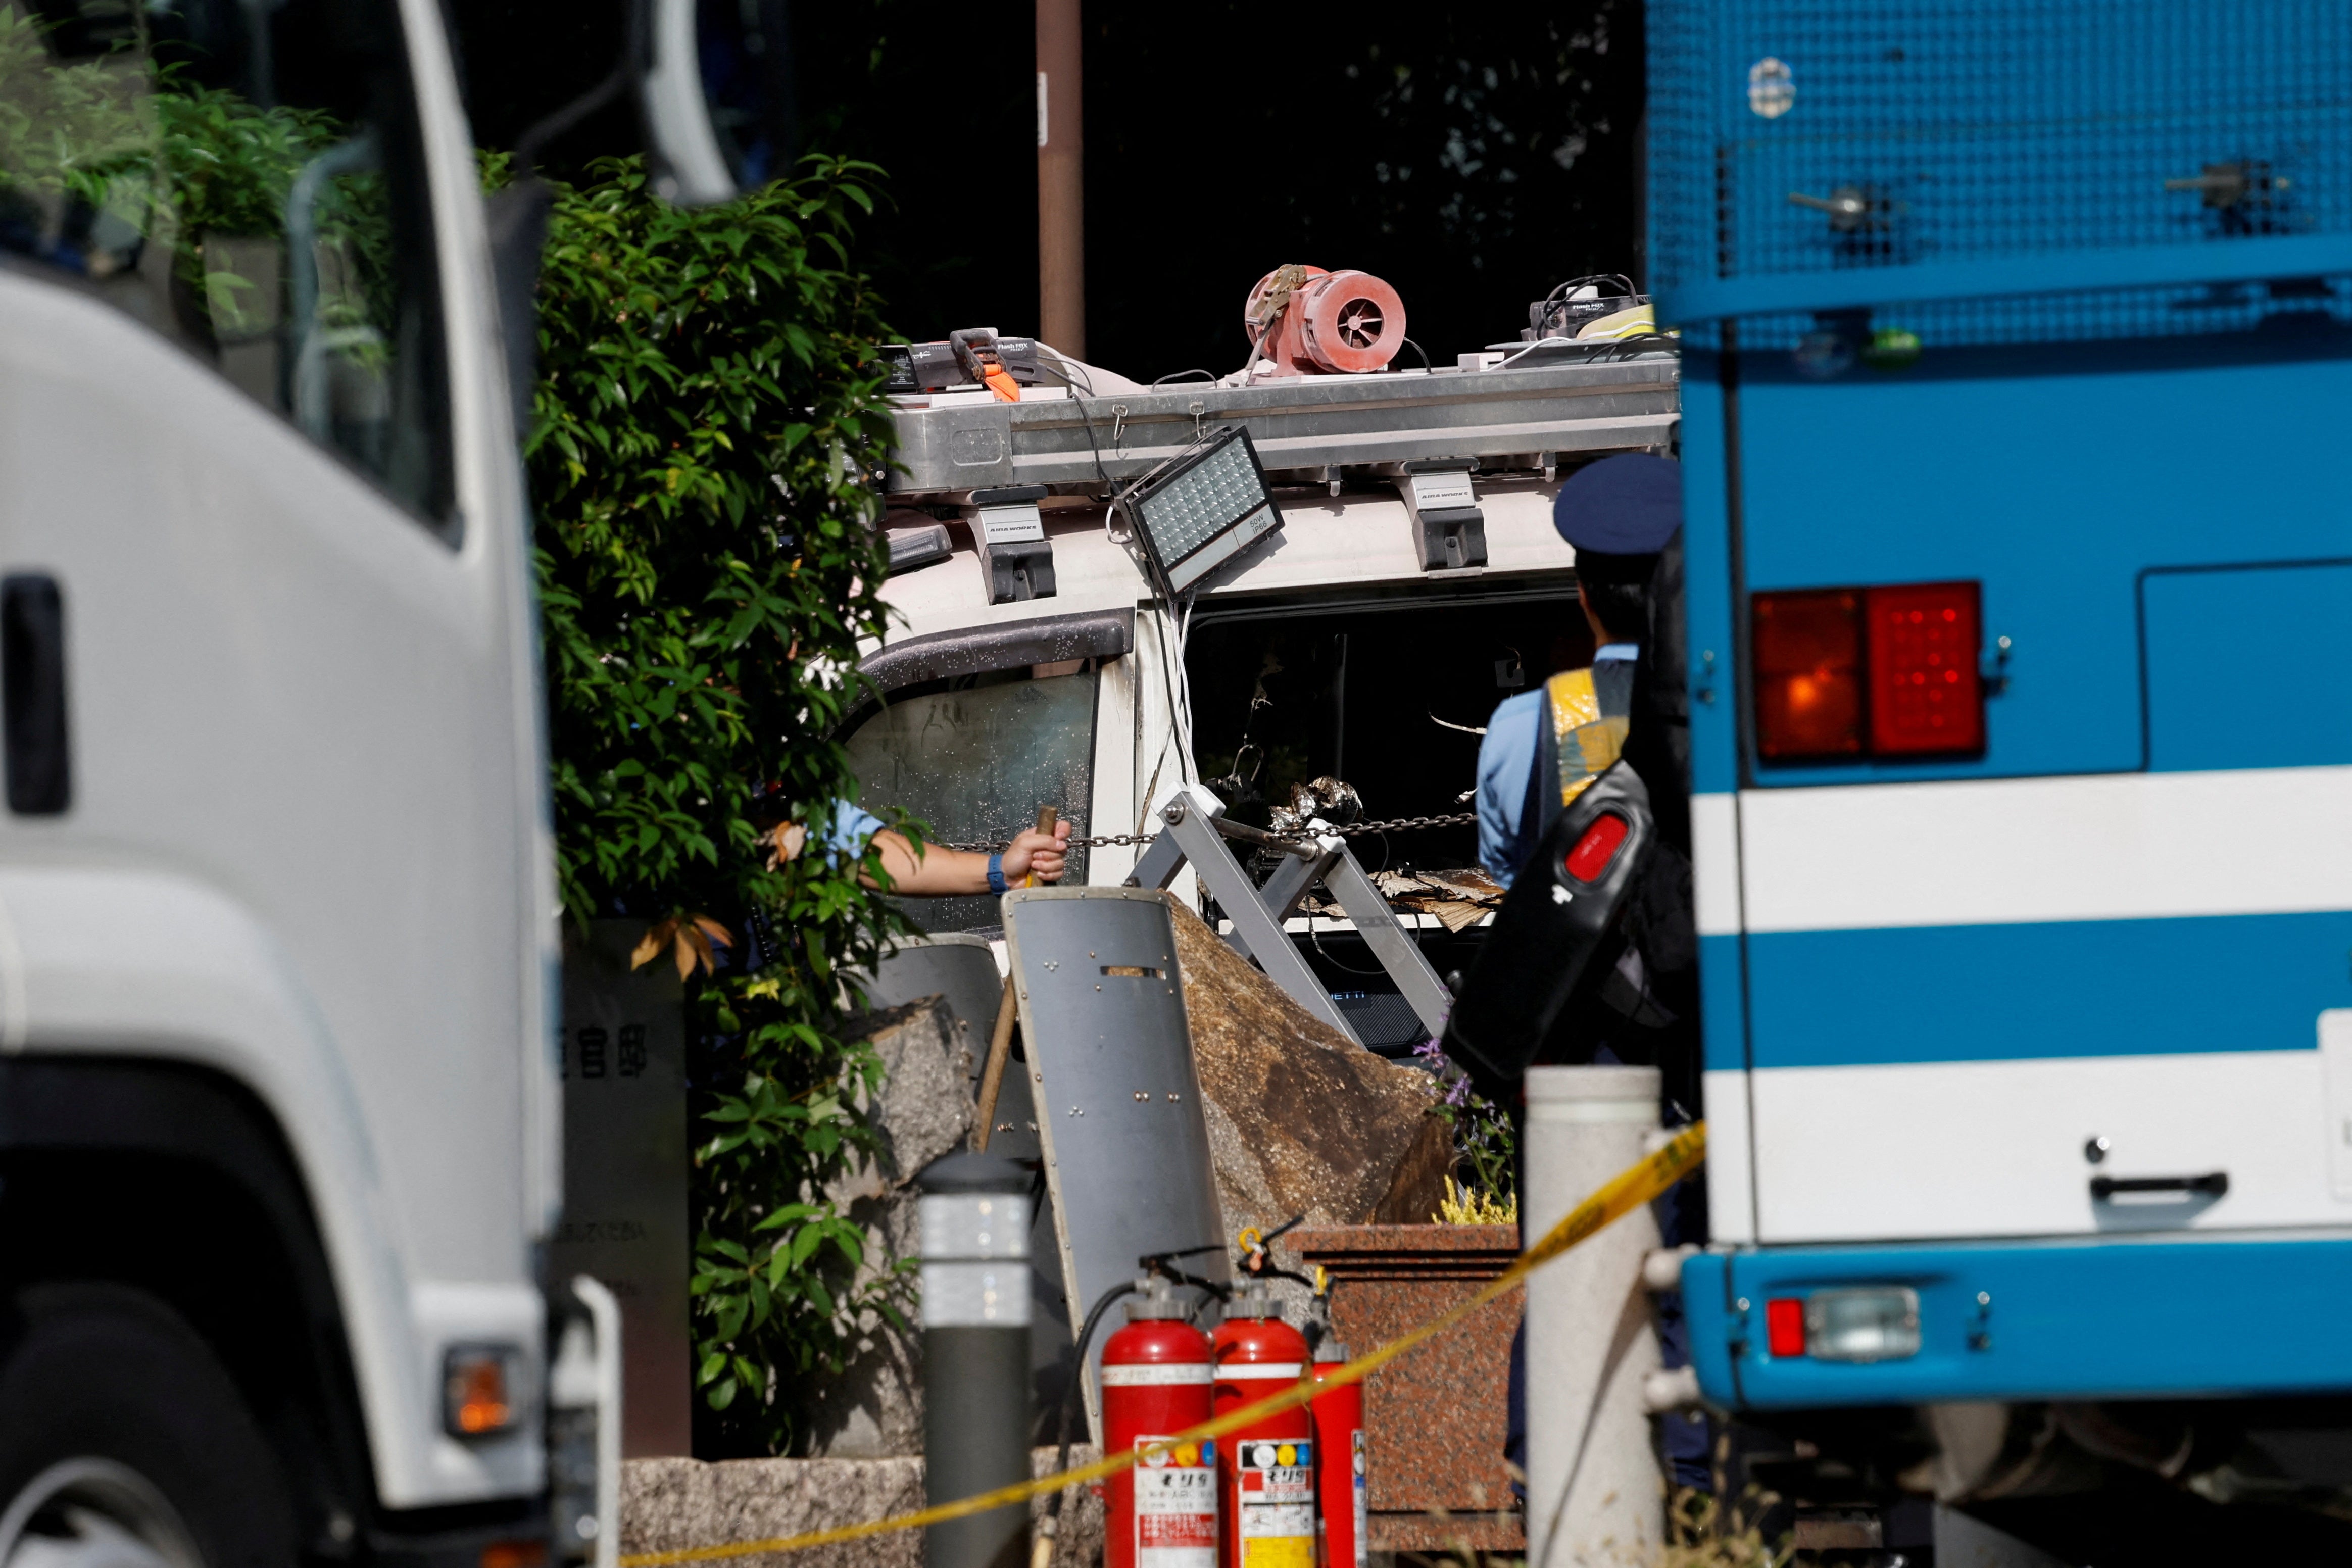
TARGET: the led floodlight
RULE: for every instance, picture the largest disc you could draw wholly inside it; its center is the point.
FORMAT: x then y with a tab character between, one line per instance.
1202	509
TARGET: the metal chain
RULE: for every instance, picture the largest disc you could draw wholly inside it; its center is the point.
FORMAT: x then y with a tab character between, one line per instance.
1395	824
1405	824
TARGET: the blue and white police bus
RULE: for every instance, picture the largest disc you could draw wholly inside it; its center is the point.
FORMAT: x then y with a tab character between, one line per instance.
2018	358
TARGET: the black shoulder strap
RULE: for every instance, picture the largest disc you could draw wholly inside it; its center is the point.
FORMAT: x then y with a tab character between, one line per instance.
1547	780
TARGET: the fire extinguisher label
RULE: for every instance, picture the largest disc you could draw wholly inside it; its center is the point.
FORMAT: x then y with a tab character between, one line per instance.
1176	1506
1362	1468
1276	1483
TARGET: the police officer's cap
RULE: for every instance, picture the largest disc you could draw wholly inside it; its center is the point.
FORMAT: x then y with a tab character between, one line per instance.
1630	504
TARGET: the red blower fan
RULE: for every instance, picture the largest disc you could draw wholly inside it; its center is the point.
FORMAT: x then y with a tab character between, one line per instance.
1309	321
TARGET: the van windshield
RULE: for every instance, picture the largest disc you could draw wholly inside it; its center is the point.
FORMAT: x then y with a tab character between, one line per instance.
1385	697
974	758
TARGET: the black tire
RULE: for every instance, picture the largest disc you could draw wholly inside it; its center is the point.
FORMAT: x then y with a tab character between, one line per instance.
112	1407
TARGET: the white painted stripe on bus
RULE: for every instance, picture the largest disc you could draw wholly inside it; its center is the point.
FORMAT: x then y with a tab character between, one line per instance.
1730	1157
1939	1151
1152	1374
1714	862
2017	851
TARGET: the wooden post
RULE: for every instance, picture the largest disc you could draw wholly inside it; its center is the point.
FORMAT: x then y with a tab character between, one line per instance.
1000	1041
1061	178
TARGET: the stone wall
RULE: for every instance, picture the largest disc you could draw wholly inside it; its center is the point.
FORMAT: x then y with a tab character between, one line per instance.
874	1408
671	1504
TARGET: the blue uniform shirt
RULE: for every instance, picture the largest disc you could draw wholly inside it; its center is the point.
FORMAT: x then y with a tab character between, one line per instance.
1509	758
851	826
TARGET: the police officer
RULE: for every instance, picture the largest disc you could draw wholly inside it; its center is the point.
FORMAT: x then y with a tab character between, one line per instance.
1543	747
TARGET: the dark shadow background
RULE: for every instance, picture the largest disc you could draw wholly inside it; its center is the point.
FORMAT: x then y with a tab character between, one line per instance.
1472	158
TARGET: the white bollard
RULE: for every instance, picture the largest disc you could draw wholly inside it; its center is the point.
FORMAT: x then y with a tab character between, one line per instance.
1595	1494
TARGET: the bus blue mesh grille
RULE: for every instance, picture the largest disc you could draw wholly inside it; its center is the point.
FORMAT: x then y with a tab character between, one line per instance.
1934	130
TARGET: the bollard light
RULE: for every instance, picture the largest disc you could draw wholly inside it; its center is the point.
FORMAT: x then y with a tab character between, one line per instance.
975	1215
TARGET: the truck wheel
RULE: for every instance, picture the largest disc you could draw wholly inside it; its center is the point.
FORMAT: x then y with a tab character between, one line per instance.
124	1444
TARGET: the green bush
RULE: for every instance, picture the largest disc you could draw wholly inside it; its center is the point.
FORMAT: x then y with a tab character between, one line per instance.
708	419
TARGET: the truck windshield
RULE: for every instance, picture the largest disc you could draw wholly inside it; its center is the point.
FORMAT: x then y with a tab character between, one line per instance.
245	180
974	758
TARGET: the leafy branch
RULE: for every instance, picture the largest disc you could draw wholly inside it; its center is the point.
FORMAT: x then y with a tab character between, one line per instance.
707	419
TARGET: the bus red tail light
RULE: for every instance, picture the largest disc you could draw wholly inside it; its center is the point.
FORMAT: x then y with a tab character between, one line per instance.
1809	654
1784	1325
1925	693
1879	672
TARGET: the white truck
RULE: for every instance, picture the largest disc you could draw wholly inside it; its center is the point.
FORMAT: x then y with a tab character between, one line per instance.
280	1117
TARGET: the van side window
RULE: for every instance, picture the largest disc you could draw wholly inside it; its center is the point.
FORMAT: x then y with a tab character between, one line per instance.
975	757
246	179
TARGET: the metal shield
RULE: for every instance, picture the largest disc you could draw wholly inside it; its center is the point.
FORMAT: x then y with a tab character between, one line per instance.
1110	1072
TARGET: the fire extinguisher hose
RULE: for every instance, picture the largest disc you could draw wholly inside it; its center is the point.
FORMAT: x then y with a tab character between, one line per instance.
1619	1196
1048	1527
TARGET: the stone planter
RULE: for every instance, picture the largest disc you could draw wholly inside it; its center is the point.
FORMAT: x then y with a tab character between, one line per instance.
1434	1417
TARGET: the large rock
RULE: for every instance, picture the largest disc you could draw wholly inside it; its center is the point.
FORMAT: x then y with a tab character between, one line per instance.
668	1505
1301	1118
874	1409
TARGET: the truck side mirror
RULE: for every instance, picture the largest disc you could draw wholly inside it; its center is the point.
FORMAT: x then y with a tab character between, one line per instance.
715	86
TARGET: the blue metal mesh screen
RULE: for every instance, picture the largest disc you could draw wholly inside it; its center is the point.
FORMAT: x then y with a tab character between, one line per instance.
1933	131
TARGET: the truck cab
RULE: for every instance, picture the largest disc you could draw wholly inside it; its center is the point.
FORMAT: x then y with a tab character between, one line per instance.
279	1126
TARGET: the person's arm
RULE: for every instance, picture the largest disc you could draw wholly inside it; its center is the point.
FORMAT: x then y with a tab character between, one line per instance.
942	872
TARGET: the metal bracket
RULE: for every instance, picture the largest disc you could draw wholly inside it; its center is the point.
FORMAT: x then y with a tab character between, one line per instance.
1194	831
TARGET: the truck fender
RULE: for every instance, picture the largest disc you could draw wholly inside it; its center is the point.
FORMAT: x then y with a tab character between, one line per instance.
116	963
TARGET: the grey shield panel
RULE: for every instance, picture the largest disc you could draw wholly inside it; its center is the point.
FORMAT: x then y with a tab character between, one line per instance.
1110	1070
963	969
952	964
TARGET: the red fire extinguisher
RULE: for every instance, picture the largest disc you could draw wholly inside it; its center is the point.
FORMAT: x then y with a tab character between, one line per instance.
1155	1384
1338	1412
1267	1470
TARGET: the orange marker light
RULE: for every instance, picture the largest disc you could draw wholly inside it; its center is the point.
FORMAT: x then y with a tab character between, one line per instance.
1809	653
476	1397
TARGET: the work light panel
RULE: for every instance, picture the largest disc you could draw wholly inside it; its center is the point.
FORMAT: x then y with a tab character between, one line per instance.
1203	502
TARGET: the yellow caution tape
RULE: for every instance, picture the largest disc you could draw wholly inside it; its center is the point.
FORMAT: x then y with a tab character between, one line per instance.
1620	1196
